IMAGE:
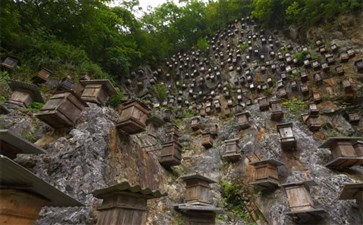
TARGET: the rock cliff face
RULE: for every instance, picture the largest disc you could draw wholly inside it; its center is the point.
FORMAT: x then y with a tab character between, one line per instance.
93	154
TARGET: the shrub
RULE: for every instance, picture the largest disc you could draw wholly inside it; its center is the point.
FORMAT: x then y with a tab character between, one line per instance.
295	105
243	46
203	44
116	99
161	92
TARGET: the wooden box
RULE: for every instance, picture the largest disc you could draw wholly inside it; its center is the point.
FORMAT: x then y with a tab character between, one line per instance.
232	152
313	123
300	202
124	204
304	77
316	97
19	207
9	63
97	91
276	110
343	153
339	69
347	87
214	130
353	191
42	76
353	117
358	66
24	94
195	123
11	145
344	57
23	194
242	120
313	110
266	173
263	104
287	138
170	154
66	84
133	117
201	218
304	90
197	188
281	92
62	110
207	140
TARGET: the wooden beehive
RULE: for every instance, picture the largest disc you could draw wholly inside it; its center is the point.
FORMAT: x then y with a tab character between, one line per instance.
358	66
343	153
23	194
201	218
304	90
197	188
266	173
9	63
232	152
42	76
263	104
304	77
195	123
11	145
287	138
24	94
276	110
133	117
313	123
66	84
62	110
339	69
353	191
207	140
281	92
313	110
19	207
124	204
353	117
242	120
97	91
300	202
214	130
170	154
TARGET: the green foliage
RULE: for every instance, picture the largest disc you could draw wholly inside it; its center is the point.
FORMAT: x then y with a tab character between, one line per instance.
243	46
36	106
268	91
300	56
30	137
295	106
203	44
187	113
115	100
232	198
301	13
2	99
161	92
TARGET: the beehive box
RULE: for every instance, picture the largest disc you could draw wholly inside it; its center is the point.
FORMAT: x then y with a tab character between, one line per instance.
133	117
97	91
62	110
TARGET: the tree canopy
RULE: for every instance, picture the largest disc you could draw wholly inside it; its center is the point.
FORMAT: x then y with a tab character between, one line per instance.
92	36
